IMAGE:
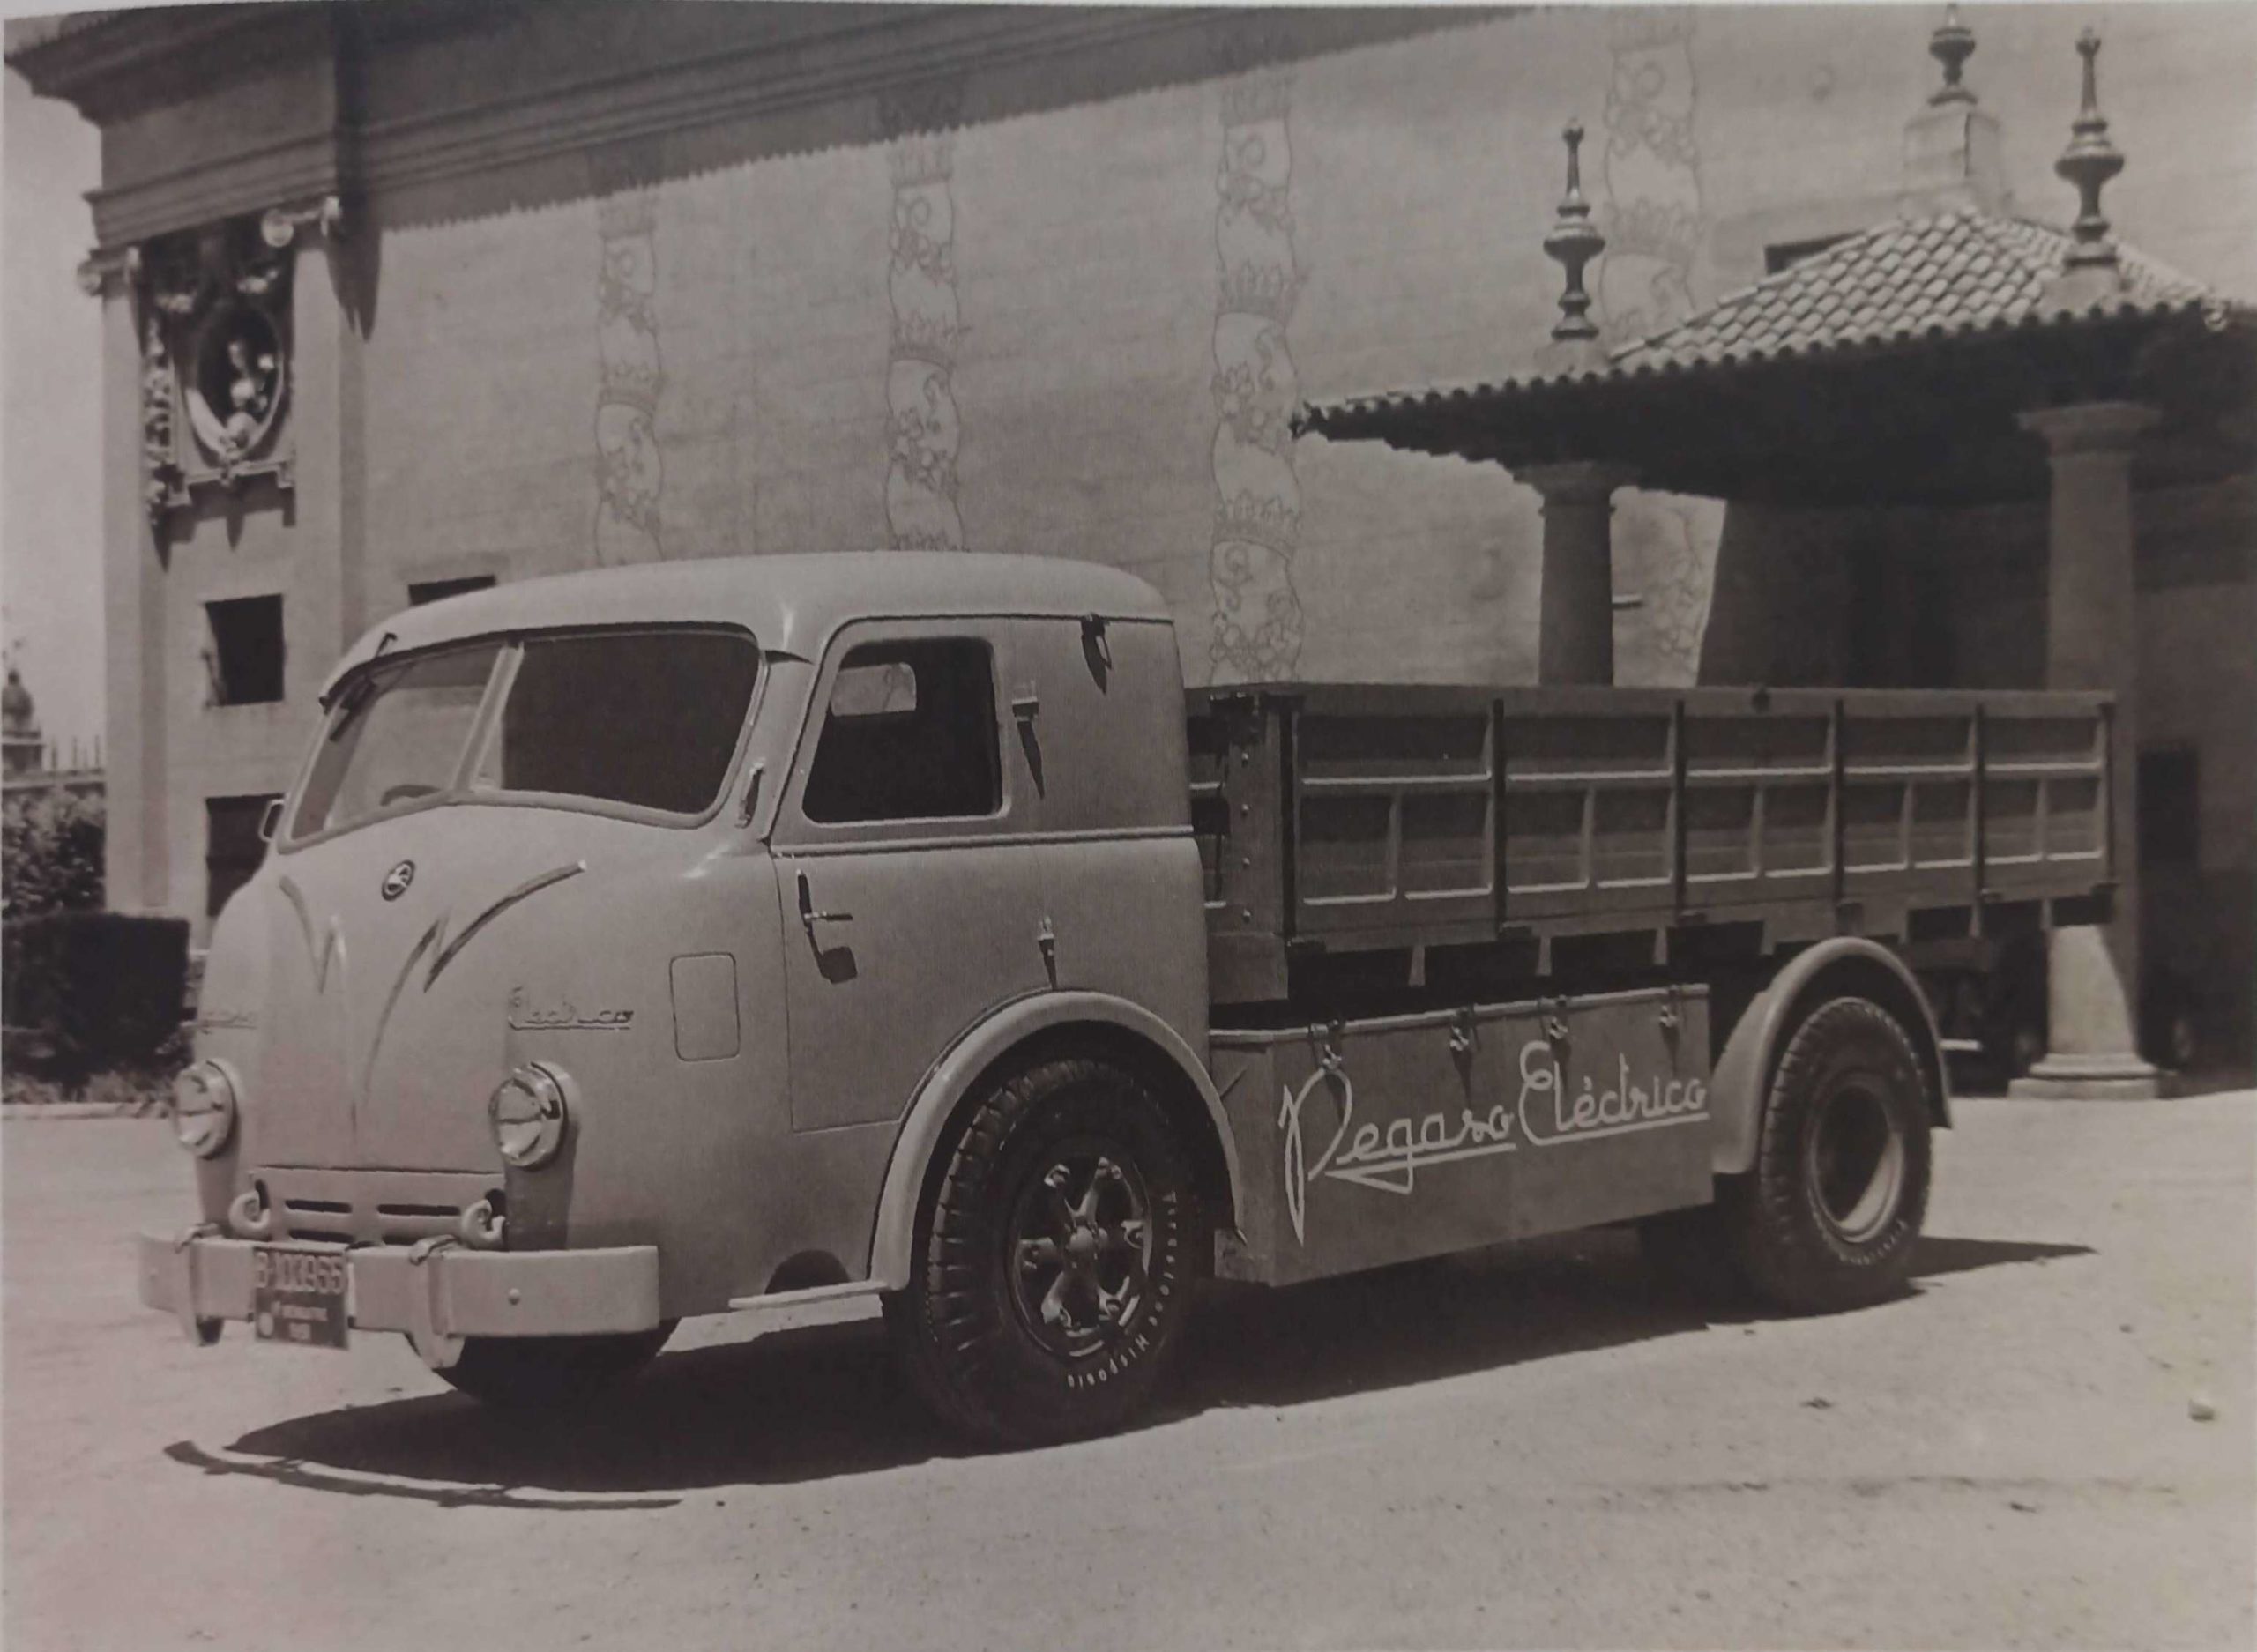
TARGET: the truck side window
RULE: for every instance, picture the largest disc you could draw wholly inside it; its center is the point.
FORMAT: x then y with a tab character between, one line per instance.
908	734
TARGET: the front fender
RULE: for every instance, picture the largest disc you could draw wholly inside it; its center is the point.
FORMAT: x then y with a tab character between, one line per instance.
1743	1072
949	1083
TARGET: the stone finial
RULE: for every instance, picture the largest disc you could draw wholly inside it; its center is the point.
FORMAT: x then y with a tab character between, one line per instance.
1574	241
2091	271
1952	45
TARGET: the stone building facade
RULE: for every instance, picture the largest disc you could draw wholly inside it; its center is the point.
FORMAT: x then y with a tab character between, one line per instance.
408	295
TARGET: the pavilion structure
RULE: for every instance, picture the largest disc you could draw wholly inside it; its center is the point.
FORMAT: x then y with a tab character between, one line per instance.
1952	358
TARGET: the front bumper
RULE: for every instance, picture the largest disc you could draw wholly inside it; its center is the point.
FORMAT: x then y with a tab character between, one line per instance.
437	1292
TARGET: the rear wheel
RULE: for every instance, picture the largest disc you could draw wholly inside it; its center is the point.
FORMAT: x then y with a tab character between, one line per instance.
522	1372
1829	1214
1052	1264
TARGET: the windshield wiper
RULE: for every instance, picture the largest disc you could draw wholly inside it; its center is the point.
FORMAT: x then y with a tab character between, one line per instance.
354	694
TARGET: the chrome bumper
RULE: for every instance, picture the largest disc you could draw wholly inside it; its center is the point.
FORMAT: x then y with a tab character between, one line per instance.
437	1292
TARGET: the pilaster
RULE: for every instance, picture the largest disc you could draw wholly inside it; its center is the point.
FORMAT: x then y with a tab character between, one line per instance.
135	864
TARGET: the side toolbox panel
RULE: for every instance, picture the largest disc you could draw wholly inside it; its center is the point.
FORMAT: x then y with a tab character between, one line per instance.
1367	1142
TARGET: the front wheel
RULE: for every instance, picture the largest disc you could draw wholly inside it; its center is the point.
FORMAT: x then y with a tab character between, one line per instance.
1052	1262
1829	1217
533	1371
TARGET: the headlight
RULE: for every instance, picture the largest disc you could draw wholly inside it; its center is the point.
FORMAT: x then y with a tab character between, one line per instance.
203	1108
529	1116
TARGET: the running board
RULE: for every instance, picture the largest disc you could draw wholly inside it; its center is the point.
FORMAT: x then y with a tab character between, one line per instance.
845	1292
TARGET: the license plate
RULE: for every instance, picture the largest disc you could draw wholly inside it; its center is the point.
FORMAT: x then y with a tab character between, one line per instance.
299	1296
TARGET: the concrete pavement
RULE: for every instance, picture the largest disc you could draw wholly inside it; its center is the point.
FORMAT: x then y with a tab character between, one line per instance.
1538	1448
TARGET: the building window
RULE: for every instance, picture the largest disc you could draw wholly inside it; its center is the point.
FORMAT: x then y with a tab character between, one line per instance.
910	735
1782	254
246	653
439	589
2169	804
232	847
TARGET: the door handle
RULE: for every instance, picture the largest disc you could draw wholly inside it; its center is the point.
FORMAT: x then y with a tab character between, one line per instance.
809	918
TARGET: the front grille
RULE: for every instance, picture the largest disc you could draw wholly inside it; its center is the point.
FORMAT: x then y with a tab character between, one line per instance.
371	1207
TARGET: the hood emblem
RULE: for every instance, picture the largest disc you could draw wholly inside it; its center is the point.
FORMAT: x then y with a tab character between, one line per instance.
397	880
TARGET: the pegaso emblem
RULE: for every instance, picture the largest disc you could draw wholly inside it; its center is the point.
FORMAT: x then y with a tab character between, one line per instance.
397	880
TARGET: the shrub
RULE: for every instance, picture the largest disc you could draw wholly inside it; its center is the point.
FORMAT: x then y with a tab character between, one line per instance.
99	990
51	855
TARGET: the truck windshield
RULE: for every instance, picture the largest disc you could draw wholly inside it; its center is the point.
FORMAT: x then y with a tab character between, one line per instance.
643	720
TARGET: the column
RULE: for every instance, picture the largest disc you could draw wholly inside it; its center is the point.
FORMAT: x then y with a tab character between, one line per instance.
2092	642
1577	641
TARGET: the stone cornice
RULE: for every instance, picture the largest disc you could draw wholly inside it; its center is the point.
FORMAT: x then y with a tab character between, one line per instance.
819	53
134	60
140	60
294	170
764	78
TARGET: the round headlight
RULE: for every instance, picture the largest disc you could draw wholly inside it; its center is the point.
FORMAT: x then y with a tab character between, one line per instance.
203	1108
529	1116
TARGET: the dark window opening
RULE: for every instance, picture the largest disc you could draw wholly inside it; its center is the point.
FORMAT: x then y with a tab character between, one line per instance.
232	847
246	653
646	718
910	735
1788	253
2170	805
424	591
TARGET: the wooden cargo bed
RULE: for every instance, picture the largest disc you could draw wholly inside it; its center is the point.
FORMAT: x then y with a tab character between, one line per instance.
1340	820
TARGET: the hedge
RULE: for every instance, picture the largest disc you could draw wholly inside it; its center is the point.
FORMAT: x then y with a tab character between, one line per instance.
100	990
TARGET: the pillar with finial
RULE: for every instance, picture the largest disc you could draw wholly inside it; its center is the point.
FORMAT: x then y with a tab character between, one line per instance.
1574	241
2090	272
1952	159
1952	45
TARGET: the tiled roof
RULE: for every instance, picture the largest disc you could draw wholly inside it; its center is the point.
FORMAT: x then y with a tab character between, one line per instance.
1958	272
1908	280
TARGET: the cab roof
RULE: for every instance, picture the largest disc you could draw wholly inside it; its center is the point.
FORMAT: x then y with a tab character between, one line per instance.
790	603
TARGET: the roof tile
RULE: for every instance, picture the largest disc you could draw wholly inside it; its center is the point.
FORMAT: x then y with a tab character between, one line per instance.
1950	274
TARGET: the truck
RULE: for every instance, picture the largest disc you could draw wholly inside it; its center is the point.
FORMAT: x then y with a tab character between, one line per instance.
705	937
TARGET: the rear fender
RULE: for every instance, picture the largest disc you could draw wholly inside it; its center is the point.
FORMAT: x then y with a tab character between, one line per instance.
1844	965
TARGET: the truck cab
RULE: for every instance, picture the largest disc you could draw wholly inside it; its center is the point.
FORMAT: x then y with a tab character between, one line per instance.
616	924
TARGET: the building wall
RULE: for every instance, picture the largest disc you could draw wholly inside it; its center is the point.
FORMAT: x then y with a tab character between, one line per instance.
1055	304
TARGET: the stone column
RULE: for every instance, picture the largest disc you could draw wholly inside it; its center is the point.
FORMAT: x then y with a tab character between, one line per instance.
2092	642
1577	641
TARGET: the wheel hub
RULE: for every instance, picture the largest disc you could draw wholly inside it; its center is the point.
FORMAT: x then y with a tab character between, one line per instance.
1080	1243
1856	1163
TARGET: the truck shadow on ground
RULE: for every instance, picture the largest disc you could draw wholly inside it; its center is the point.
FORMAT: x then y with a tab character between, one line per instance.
820	1403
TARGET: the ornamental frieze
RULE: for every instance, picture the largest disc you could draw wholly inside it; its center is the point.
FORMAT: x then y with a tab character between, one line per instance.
924	429
1258	622
631	468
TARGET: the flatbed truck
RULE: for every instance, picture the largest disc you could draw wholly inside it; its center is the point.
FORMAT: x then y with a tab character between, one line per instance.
710	936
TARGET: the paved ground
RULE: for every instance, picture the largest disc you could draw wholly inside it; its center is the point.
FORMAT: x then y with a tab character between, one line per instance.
1532	1450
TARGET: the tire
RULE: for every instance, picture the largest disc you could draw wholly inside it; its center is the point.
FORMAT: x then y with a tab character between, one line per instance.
1053	1265
529	1372
1829	1214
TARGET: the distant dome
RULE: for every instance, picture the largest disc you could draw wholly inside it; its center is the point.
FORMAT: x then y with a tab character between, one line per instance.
16	711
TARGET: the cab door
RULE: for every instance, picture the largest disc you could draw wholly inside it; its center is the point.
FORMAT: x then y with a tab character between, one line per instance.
910	878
